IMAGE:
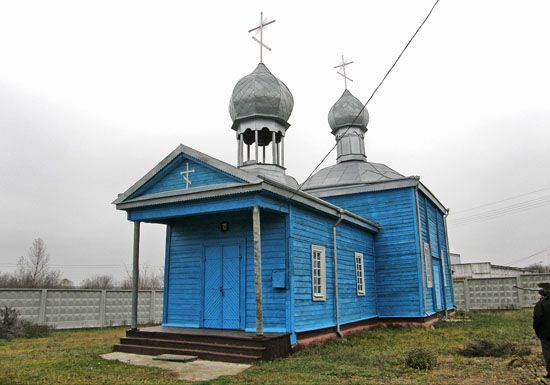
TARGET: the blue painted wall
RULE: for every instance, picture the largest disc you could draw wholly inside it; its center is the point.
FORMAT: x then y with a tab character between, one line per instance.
398	284
309	228
170	177
433	231
185	263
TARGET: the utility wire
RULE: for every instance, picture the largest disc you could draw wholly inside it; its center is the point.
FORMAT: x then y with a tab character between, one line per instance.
530	256
506	210
369	99
499	201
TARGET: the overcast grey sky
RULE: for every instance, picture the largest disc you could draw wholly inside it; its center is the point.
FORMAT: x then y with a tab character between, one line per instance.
93	94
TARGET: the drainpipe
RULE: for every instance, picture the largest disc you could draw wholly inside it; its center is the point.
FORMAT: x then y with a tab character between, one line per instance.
448	264
335	262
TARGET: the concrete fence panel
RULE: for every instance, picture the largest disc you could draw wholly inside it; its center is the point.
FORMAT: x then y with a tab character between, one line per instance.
498	293
81	308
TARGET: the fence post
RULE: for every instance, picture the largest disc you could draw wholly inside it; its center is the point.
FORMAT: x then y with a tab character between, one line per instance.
42	309
466	295
102	308
520	294
152	307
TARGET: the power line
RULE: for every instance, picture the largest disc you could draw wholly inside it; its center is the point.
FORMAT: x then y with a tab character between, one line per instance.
368	100
530	256
506	210
499	201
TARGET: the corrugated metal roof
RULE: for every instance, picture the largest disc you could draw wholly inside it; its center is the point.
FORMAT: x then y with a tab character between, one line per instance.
352	172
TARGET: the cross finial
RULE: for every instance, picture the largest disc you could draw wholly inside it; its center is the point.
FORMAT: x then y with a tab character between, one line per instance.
343	66
185	175
260	29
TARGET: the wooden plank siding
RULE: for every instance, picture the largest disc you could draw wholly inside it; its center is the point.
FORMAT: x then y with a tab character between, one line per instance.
398	285
309	228
170	178
185	264
433	231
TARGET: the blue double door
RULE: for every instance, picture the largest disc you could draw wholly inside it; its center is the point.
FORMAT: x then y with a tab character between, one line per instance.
222	287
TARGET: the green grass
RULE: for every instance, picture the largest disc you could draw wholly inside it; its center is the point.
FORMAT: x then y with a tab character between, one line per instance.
371	357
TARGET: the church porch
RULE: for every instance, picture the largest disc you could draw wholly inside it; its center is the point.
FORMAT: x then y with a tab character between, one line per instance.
208	344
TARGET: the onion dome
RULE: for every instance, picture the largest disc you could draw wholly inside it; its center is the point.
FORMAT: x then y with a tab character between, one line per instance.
260	94
344	113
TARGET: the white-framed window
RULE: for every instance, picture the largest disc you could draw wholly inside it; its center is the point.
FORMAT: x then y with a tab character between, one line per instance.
360	273
428	265
318	273
444	268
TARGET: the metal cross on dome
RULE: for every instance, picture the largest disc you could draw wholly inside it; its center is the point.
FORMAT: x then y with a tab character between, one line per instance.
260	29
186	175
343	66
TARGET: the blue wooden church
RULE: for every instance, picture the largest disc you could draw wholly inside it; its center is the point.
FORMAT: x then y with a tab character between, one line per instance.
251	257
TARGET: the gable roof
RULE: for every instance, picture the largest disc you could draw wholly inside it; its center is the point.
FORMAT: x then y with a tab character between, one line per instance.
193	154
251	183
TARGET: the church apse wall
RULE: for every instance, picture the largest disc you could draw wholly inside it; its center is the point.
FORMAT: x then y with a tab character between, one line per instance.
398	273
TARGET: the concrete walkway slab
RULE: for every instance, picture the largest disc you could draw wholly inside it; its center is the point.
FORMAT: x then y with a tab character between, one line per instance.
199	370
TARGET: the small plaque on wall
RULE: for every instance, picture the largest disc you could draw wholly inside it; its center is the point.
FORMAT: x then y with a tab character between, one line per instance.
278	279
224	226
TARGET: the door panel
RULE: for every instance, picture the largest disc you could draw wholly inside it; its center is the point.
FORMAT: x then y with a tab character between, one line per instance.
212	287
231	286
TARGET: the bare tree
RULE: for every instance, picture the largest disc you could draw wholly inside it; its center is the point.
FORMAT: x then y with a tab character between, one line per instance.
148	279
101	281
33	270
8	280
538	268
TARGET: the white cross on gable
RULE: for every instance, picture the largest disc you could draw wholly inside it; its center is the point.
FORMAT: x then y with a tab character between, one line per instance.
343	66
260	29
186	175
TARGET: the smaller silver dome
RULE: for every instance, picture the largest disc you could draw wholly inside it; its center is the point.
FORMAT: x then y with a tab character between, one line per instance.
344	112
260	94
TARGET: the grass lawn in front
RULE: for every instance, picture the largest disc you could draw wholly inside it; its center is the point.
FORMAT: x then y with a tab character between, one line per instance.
374	357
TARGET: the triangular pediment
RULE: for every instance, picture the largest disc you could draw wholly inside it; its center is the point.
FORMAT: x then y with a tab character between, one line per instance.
185	171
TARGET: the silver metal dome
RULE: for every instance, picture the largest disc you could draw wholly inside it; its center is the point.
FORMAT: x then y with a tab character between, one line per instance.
351	173
260	94
345	110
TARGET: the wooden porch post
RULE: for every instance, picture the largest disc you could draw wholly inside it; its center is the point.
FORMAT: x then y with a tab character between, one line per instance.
258	271
135	277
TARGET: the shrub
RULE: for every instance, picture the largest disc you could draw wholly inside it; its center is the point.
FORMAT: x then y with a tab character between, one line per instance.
30	329
488	348
9	322
421	358
11	326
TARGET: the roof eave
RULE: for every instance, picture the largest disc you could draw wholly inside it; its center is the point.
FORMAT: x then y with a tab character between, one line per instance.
266	185
176	196
412	181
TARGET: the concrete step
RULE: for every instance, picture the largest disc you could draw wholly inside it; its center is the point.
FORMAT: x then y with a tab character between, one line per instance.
206	355
205	346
